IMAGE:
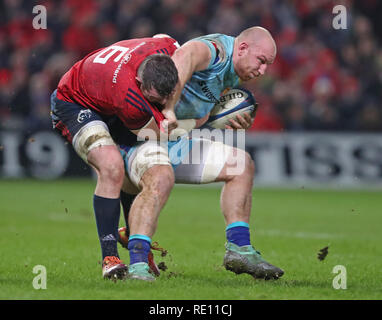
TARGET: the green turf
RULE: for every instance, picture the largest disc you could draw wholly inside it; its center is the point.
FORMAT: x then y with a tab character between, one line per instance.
52	224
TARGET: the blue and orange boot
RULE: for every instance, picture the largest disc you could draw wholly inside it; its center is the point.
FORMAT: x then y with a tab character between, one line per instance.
113	268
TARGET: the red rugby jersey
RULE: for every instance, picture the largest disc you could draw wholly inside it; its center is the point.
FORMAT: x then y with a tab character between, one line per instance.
105	80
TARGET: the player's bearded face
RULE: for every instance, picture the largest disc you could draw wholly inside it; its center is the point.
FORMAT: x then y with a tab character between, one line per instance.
153	96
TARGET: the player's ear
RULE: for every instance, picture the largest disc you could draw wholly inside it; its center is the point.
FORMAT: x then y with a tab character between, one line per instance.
243	46
139	80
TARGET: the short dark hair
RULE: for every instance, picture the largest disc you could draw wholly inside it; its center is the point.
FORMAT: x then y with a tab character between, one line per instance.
158	71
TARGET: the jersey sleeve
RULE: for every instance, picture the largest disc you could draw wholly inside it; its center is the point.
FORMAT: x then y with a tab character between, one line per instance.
133	119
217	49
136	111
213	51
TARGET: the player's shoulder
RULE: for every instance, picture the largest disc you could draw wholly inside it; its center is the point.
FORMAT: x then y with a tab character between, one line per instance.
221	40
166	37
143	43
220	45
147	43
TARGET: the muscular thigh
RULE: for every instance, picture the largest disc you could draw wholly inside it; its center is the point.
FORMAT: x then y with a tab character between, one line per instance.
194	161
204	162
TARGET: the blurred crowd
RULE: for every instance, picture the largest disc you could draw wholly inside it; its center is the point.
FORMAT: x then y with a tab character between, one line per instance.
323	79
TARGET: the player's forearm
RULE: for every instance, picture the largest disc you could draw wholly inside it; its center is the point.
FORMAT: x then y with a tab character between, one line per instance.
191	57
201	121
149	131
186	125
183	62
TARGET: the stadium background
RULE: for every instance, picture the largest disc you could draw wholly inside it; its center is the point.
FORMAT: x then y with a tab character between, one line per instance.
323	80
319	123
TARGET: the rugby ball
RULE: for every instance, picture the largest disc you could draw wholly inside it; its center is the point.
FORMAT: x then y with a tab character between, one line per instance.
234	102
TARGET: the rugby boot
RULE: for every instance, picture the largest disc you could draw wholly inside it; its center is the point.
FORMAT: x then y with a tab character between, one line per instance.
140	271
114	268
123	238
153	266
124	241
246	259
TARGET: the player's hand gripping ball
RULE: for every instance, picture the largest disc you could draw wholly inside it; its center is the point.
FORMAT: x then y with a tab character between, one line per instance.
235	102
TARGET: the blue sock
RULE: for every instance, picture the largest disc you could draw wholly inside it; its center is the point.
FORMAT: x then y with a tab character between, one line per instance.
238	233
139	248
107	213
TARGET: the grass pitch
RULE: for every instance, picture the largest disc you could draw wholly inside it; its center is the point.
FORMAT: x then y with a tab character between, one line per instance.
52	224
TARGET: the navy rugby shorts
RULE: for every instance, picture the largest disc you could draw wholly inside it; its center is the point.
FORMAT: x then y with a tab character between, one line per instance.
68	118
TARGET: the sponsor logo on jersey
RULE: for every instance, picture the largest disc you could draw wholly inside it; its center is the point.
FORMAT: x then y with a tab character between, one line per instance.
207	92
126	58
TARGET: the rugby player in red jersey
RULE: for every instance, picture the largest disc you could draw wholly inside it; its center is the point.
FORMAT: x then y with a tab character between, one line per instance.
124	85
